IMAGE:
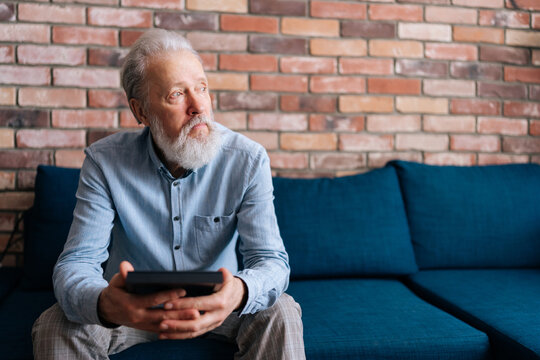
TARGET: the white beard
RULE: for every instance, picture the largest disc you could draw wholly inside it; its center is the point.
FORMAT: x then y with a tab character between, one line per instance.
187	152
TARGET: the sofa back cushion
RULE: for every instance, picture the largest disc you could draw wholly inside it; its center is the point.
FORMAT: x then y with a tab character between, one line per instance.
47	223
349	226
472	217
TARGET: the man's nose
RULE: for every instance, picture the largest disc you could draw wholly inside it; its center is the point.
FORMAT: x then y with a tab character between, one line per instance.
196	105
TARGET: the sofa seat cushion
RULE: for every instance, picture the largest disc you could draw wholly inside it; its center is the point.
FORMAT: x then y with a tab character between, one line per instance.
472	217
380	319
503	303
17	315
348	226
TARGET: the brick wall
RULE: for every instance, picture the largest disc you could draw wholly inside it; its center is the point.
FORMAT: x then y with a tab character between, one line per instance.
328	87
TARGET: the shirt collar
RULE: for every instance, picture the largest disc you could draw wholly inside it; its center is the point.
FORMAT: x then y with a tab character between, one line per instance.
157	162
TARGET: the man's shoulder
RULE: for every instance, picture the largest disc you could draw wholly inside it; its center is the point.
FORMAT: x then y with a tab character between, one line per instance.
128	140
236	143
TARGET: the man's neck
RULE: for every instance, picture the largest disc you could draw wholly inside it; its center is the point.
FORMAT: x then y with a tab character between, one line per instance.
176	170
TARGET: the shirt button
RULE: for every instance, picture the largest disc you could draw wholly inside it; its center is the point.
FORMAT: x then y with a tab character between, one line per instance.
177	247
176	218
175	183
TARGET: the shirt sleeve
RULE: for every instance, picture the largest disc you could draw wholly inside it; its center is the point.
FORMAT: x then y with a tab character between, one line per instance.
266	268
78	274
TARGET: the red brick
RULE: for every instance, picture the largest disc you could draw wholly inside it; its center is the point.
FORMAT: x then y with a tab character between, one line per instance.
536	57
393	123
506	91
505	54
51	138
534	92
475	106
446	158
451	52
106	57
47	97
479	3
366	30
269	140
52	13
245	23
531	109
368	104
308	65
7	54
337	84
7	12
218	42
83	118
248	62
275	45
278	122
418	104
338	10
451	15
333	47
27	159
504	18
336	123
119	17
395	48
365	142
421	31
307	141
524	4
127	120
107	99
228	81
283	160
235	120
451	124
478	35
247	101
188	21
337	161
535	159
69	158
396	12
520	74
366	66
155	4
278	7
209	61
86	77
422	142
19	118
522	38
7	138
51	54
499	159
85	36
128	37
16	200
288	83
26	180
482	143
7	180
394	86
476	71
7	96
424	68
93	2
22	75
377	160
25	33
449	87
237	6
503	126
521	145
308	103
535	127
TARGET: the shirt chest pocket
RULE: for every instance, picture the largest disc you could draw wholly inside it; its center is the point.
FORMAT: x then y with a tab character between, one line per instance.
212	235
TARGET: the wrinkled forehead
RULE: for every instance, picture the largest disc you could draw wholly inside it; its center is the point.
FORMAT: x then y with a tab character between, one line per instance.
174	67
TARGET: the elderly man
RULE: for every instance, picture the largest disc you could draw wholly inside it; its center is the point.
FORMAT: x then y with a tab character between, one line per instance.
184	193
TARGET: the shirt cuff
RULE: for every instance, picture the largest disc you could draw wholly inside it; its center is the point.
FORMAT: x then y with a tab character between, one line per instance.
253	289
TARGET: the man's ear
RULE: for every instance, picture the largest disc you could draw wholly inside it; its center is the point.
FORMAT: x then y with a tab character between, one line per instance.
138	110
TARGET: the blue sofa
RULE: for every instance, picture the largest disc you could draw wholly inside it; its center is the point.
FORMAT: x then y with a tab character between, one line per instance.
409	261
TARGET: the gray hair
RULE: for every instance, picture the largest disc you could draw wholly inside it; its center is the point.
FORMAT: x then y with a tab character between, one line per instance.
150	44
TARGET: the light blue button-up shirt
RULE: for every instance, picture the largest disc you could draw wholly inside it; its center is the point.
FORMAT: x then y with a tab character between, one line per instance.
129	207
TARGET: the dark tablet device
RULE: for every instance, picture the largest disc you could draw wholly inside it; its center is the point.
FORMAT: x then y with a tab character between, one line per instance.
196	283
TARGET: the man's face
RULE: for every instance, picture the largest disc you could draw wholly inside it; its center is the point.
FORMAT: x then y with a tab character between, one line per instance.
177	92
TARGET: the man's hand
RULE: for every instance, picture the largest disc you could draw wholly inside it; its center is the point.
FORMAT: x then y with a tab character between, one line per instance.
117	306
212	310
